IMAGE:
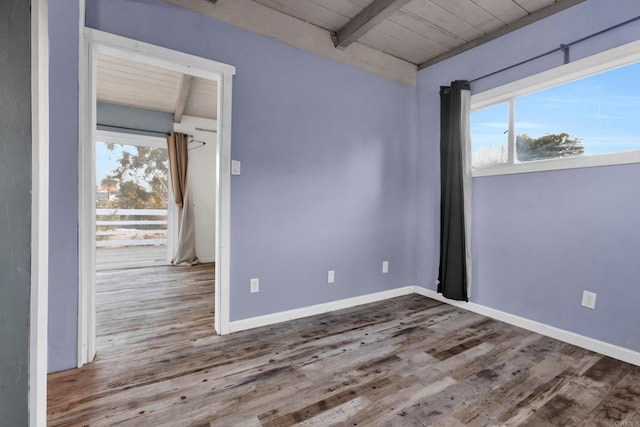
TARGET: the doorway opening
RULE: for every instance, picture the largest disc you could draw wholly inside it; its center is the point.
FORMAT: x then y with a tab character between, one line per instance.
136	95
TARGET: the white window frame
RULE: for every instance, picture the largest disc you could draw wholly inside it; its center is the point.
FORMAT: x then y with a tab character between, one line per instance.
615	58
121	138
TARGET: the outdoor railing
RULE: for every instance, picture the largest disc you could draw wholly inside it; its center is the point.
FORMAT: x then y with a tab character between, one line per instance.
131	227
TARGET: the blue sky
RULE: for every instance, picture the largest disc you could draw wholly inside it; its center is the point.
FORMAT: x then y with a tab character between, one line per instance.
603	110
106	161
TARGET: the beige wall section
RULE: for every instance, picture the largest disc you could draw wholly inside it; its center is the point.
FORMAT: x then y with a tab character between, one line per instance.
260	19
202	182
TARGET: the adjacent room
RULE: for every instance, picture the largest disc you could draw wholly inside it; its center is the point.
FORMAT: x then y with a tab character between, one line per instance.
313	212
148	274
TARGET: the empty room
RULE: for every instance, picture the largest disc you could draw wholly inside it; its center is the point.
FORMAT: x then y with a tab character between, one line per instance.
320	212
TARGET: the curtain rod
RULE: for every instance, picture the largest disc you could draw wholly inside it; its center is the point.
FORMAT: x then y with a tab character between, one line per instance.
206	130
150	131
134	129
564	47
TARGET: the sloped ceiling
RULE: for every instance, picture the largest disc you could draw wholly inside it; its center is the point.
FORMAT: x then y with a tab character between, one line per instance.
391	38
421	29
133	84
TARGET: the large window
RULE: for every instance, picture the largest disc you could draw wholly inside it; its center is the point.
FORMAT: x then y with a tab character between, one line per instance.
592	120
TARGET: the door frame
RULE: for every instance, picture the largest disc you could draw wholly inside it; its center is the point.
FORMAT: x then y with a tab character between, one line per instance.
96	42
39	292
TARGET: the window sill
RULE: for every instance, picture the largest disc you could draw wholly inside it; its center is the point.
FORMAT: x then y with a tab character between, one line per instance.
611	159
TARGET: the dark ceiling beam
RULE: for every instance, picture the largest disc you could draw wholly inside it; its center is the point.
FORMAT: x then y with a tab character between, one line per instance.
559	6
364	21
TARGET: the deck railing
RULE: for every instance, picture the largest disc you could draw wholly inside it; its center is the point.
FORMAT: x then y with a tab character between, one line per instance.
131	227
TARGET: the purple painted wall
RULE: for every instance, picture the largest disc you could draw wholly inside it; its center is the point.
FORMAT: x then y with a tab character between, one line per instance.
539	239
63	185
328	165
330	178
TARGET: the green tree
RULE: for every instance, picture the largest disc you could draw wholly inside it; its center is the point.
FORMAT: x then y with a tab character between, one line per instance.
132	195
549	146
146	164
110	184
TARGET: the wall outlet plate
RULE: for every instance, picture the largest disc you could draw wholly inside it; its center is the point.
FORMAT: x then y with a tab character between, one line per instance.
385	266
589	299
255	286
331	276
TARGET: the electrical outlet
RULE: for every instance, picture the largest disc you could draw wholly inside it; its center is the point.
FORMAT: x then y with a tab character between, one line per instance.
331	276
385	266
589	299
255	286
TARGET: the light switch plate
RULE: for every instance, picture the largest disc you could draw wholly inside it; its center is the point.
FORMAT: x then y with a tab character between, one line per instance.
385	266
331	276
235	167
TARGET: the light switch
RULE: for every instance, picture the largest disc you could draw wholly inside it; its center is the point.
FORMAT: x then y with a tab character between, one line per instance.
235	167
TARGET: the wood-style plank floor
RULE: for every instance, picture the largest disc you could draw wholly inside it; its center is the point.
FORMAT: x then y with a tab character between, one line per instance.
410	361
115	258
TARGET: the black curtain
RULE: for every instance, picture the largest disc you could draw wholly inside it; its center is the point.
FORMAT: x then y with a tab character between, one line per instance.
454	274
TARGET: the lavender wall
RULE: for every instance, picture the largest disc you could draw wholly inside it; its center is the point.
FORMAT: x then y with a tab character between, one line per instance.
63	185
539	239
328	165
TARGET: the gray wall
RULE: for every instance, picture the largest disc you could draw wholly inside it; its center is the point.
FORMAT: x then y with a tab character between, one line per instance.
117	118
15	210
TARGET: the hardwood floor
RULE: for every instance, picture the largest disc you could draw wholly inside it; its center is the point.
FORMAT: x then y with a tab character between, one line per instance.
410	361
115	258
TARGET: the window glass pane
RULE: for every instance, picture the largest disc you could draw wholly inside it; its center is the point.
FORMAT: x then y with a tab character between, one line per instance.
131	177
594	115
490	135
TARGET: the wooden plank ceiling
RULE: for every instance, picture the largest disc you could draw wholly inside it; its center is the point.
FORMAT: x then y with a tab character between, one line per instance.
419	30
133	84
390	38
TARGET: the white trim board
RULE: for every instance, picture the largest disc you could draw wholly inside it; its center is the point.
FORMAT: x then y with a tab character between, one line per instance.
578	340
38	346
312	310
111	137
592	344
577	162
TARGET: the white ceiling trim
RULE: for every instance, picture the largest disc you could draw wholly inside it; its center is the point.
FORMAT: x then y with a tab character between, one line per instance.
268	22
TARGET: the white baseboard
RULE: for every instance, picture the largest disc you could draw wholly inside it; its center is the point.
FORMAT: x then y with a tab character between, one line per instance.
592	344
206	260
611	350
298	313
